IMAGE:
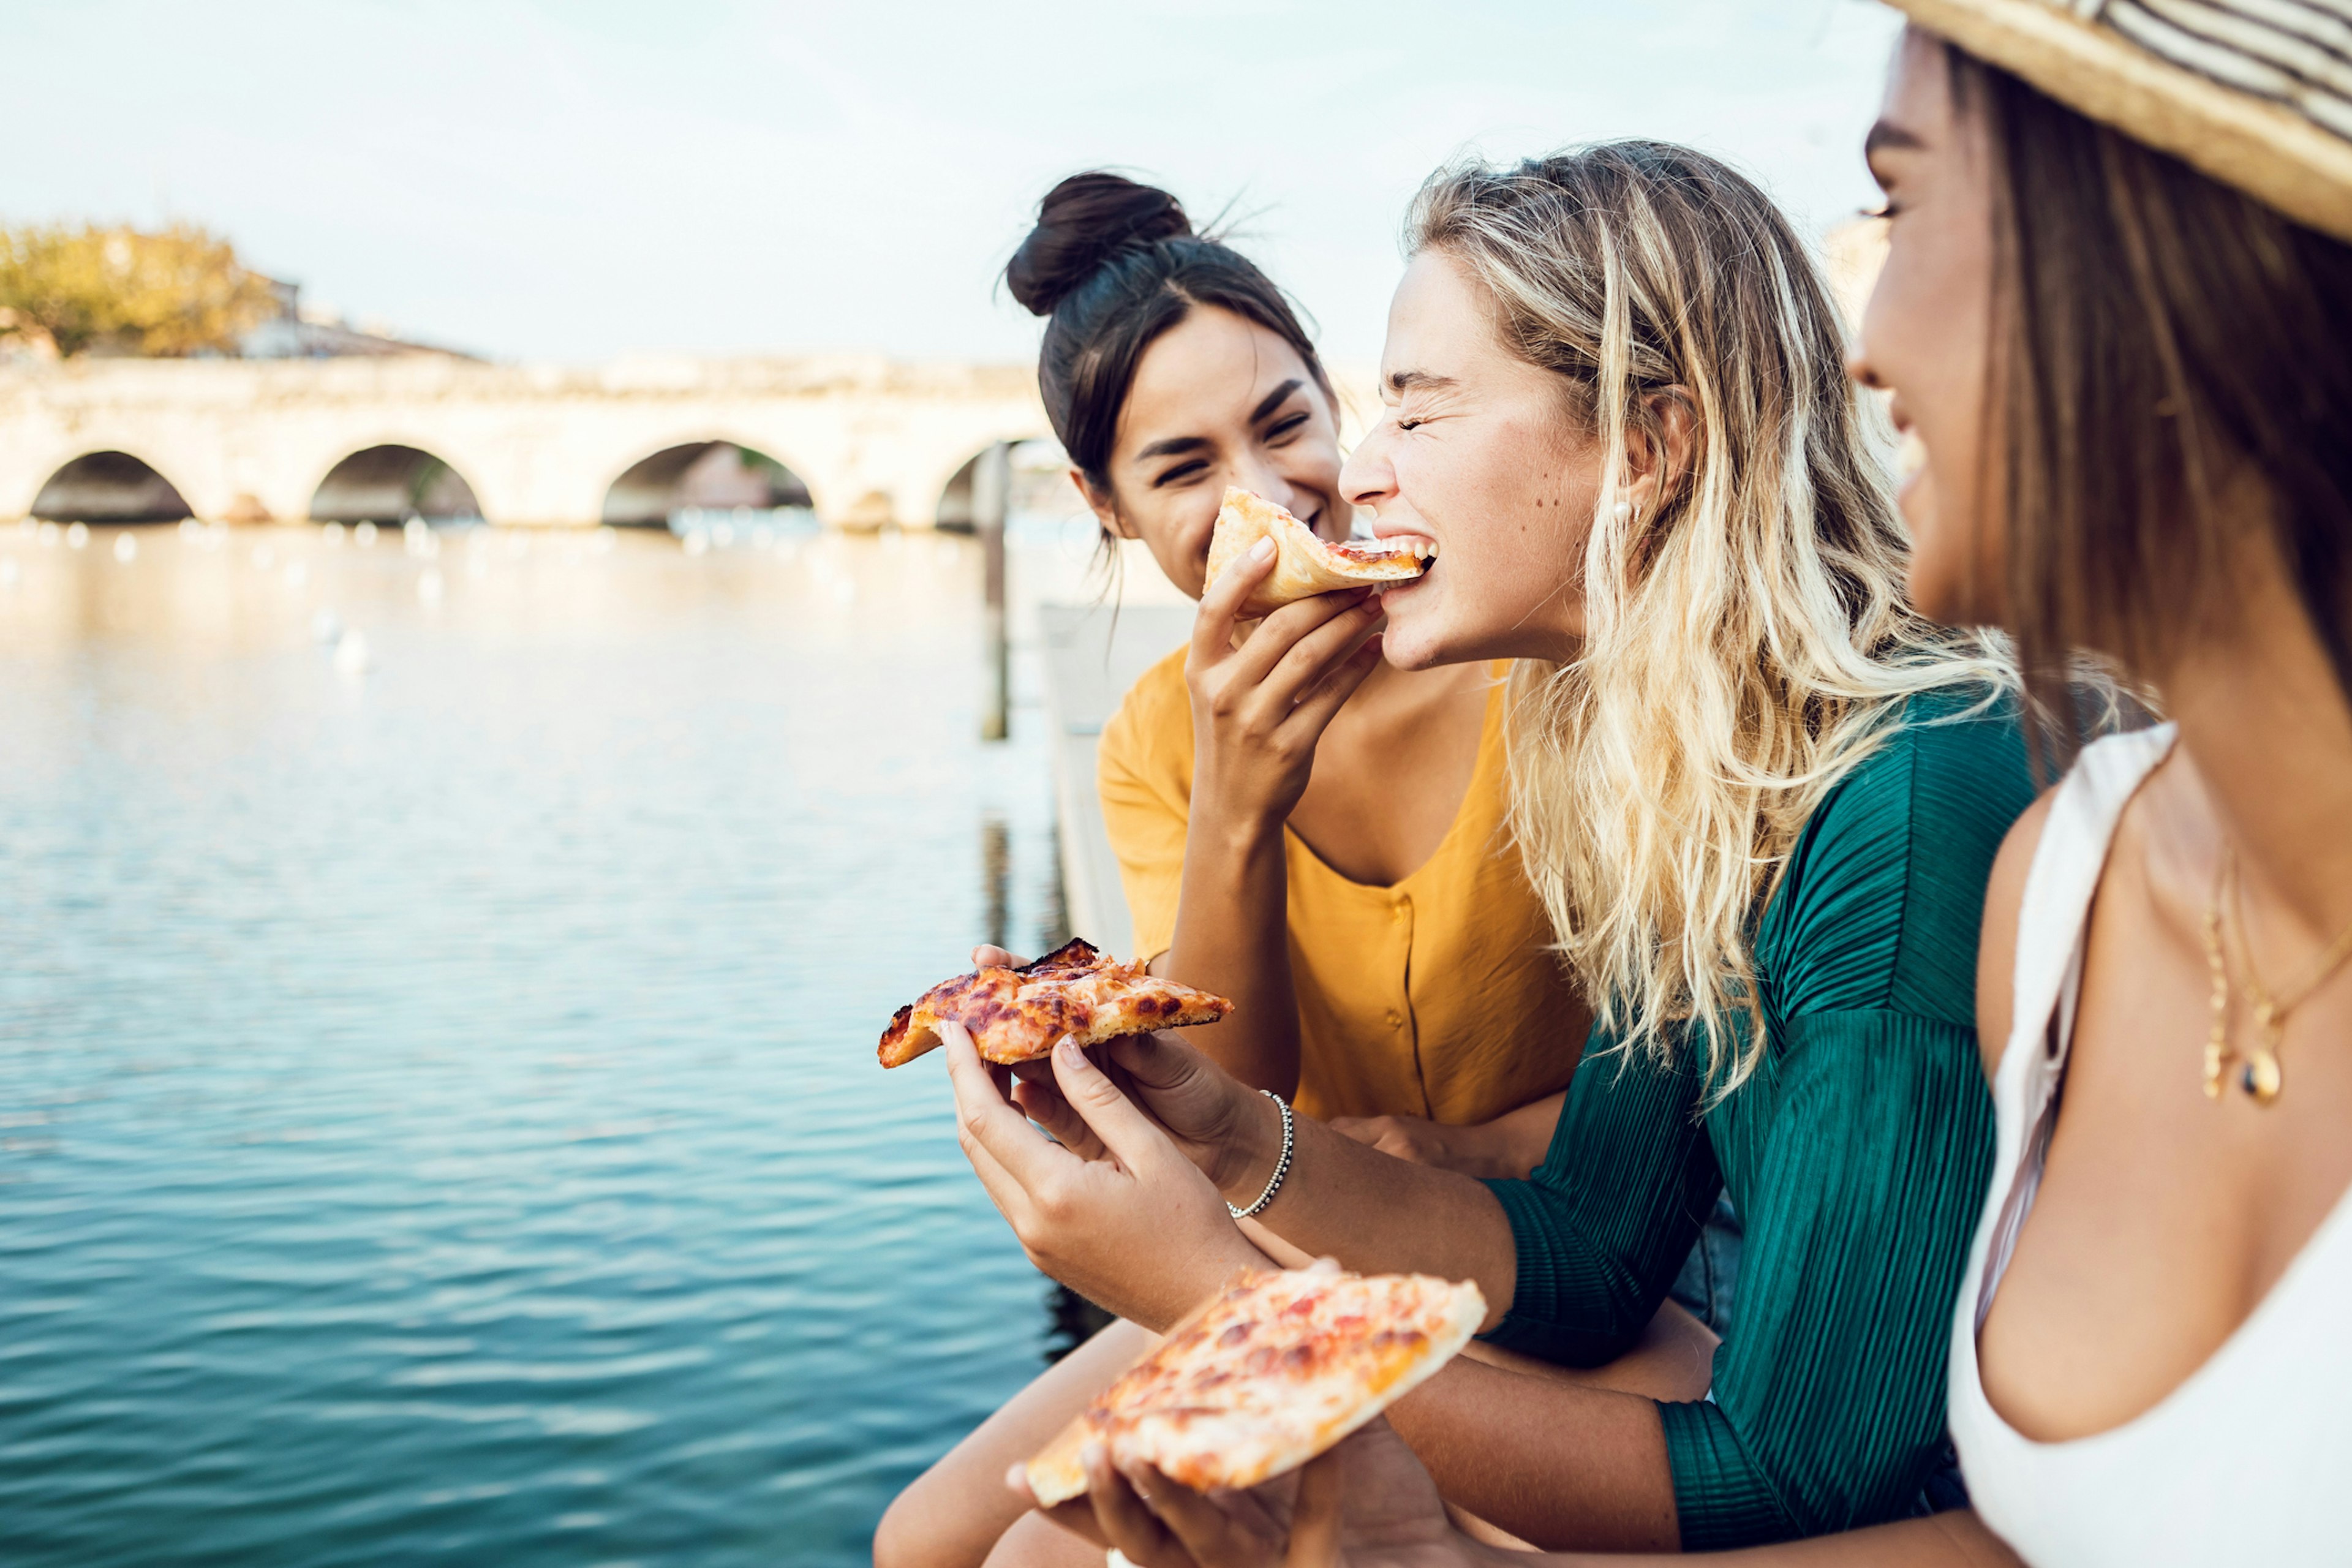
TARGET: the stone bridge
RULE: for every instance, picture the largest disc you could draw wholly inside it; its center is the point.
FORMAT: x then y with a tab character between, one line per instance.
865	441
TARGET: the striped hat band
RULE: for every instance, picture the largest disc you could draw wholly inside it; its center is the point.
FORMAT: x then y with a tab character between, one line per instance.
2256	93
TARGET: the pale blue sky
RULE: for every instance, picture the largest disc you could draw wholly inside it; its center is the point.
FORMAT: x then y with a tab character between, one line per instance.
571	181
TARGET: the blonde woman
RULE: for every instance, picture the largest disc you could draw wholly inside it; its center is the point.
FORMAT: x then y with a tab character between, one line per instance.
1300	826
1761	798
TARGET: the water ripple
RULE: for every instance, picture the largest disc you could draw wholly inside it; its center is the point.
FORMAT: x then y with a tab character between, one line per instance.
438	1110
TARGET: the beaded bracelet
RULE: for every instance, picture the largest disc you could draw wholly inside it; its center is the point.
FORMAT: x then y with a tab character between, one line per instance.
1281	1166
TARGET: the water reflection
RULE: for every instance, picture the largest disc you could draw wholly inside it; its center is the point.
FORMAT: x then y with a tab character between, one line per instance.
996	877
437	1109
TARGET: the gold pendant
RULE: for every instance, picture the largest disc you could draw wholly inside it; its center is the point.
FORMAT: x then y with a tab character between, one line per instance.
2262	1078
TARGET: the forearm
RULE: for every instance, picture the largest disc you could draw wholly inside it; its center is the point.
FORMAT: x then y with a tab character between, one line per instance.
1232	937
1519	1140
1156	1289
1373	1212
1955	1539
1557	1463
954	1511
1579	1469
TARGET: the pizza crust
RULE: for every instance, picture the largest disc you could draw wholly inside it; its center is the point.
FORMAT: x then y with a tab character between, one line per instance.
1269	1373
1017	1015
1304	562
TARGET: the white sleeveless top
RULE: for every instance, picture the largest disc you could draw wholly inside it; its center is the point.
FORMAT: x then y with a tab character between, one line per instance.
2249	1459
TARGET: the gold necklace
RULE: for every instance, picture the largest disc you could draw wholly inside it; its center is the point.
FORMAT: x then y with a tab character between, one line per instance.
2261	1078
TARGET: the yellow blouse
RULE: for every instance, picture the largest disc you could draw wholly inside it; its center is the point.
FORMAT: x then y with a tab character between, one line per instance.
1434	997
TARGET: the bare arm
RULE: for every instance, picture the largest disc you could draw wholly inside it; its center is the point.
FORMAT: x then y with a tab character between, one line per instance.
1566	1464
1232	937
1997	948
1554	1463
1343	1199
1369	1503
1375	1214
1260	704
953	1514
1508	1147
1955	1539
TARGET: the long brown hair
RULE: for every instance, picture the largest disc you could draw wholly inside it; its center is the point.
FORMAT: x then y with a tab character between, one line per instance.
2156	336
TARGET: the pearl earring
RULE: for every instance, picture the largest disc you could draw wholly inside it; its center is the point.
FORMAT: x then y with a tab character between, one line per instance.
1623	512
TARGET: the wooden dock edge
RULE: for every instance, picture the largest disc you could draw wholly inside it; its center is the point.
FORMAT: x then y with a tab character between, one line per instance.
1091	657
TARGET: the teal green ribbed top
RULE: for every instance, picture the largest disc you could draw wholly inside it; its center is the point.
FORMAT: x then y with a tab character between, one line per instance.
1857	1156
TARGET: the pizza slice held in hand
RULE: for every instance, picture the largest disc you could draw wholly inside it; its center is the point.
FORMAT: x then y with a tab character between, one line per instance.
1269	1374
1304	562
1016	1015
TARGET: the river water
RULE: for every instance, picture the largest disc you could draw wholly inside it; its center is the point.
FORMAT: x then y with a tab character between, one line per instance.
439	1114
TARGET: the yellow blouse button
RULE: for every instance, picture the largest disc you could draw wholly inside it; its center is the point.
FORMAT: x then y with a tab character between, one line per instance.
1396	1019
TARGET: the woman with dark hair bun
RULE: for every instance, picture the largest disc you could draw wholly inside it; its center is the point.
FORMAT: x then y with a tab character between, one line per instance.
1301	826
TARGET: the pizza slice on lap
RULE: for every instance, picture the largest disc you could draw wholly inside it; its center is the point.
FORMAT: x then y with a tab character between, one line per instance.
1304	562
1268	1375
1016	1015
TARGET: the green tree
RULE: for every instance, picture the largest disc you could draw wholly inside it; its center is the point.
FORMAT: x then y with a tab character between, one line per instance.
180	291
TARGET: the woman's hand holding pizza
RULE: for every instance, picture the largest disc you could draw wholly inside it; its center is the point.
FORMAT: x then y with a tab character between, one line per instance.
1110	1207
1259	709
1368	1503
1229	1131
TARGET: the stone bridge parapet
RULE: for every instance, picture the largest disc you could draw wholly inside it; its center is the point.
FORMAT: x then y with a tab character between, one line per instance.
875	440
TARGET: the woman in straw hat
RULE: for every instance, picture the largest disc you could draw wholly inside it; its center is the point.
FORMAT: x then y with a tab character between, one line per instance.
2116	322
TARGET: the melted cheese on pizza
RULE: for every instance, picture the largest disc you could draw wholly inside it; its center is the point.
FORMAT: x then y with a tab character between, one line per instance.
1016	1015
1269	1374
1304	562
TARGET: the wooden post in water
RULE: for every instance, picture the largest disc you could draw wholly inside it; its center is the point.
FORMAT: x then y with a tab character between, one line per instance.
992	484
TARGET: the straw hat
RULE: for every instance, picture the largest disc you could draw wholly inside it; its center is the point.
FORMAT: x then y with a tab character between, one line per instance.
2256	93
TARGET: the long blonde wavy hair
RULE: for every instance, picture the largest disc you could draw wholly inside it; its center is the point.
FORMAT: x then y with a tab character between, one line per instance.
1747	638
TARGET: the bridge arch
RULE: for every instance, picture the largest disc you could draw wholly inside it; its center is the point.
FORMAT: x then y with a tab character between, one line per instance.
388	483
110	486
953	510
709	473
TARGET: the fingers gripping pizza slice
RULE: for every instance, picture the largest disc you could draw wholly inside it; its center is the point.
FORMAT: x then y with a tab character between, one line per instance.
1016	1015
1267	1376
1304	562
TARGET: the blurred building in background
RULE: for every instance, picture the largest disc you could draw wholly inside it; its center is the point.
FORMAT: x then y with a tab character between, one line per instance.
320	332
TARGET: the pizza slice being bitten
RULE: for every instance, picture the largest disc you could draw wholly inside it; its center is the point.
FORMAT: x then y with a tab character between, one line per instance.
1304	562
1016	1015
1270	1373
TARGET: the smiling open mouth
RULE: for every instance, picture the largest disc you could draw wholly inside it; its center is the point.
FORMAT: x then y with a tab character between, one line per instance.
1428	570
1381	551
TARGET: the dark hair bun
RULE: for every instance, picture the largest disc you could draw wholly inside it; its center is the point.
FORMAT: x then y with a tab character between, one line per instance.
1083	222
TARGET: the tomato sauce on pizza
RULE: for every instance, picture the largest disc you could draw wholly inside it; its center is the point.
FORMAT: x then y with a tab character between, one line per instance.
1271	1373
1016	1015
1304	562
